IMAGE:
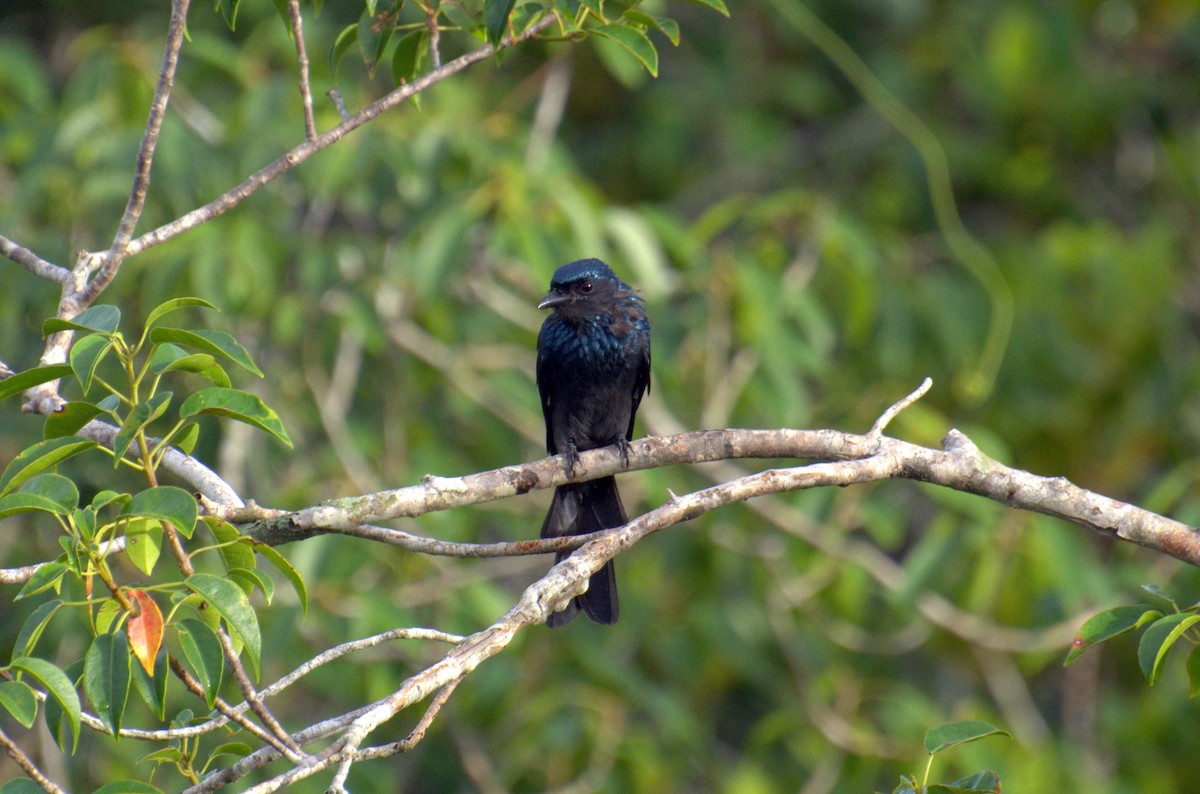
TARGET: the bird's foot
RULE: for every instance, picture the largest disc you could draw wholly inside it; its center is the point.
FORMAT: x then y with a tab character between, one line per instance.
571	453
623	446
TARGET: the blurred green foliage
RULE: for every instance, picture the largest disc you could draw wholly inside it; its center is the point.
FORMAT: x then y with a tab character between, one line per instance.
784	238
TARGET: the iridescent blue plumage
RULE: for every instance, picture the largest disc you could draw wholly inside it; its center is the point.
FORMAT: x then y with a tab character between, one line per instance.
593	368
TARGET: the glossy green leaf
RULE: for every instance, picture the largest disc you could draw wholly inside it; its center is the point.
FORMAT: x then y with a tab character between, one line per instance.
168	306
106	497
953	734
667	27
101	318
18	699
21	785
184	437
34	625
36	459
153	689
1161	594
234	607
251	578
634	41
54	487
1158	639
58	686
289	572
106	677
1110	623
48	575
15	503
143	543
345	40
495	18
86	354
235	549
235	404
218	343
141	415
70	419
235	749
716	5
203	652
411	51
32	377
166	503
172	358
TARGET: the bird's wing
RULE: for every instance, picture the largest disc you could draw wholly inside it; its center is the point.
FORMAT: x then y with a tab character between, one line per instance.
641	385
544	380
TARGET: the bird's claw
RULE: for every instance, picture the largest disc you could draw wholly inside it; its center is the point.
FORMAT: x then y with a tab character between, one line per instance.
623	446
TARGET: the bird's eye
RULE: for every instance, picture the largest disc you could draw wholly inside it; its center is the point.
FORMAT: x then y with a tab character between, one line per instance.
585	286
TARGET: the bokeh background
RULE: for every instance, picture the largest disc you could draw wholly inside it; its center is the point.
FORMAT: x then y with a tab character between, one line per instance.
797	271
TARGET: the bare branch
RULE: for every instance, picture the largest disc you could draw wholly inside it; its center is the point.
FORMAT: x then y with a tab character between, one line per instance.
310	125
34	263
27	765
141	178
887	416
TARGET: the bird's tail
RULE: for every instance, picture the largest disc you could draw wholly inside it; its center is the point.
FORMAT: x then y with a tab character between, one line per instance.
578	509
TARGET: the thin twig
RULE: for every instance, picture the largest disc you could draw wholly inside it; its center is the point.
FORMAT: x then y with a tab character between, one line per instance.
26	763
230	713
34	263
887	416
310	125
236	195
145	158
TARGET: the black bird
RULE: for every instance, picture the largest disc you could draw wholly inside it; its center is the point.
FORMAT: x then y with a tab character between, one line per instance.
593	367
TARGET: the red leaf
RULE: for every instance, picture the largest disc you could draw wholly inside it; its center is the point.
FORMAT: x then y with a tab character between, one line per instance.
145	630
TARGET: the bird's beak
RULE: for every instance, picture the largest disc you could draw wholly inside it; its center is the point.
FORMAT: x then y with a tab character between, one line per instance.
552	299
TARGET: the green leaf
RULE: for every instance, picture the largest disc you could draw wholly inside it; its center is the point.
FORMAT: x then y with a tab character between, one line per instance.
153	690
1110	623
495	19
168	306
21	785
69	419
34	625
233	605
101	318
1158	639
250	578
235	549
716	5
143	543
127	787
236	749
32	377
173	358
218	343
18	698
636	42
665	26
15	503
953	734
86	355
47	575
203	652
983	781
1161	594
106	677
235	404
290	573
106	497
407	58
38	458
57	685
55	488
229	11
184	437
345	40
166	503
375	28
141	415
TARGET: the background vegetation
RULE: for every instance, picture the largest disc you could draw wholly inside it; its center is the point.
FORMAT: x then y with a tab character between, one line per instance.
784	236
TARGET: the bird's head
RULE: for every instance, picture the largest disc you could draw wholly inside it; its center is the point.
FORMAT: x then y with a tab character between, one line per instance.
578	287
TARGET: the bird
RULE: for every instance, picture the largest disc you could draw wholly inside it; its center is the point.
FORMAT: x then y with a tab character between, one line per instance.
593	367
